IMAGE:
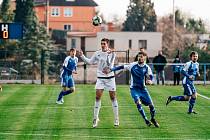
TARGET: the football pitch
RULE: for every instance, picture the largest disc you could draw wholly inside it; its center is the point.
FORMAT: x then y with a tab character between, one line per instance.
29	112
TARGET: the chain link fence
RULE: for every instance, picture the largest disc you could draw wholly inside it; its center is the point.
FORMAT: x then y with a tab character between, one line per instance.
44	68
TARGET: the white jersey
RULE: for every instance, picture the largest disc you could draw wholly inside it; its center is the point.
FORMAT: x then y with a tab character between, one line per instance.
102	59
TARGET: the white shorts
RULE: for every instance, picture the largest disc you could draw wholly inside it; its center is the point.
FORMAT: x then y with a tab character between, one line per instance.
107	84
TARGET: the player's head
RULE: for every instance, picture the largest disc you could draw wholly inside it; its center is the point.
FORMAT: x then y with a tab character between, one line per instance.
142	49
141	57
160	52
72	52
194	56
177	57
104	44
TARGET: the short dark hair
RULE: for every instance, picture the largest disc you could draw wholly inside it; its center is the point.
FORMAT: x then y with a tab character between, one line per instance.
106	40
72	49
142	53
193	53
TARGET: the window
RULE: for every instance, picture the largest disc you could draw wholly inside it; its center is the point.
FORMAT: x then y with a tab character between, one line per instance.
130	44
55	11
67	27
73	43
143	44
68	12
111	44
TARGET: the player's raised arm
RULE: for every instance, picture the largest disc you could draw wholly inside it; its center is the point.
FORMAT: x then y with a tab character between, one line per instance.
149	76
90	61
185	69
107	70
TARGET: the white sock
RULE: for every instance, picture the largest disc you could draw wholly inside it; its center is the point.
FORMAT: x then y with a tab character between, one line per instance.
97	109
115	109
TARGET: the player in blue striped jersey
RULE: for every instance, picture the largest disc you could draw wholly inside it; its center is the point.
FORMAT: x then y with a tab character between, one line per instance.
67	81
190	72
139	70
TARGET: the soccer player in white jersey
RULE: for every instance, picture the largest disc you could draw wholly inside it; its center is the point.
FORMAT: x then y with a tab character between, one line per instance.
139	70
103	58
190	71
67	81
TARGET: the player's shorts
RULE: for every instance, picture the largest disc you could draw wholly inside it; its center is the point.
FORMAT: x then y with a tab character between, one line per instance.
141	94
67	81
106	84
189	89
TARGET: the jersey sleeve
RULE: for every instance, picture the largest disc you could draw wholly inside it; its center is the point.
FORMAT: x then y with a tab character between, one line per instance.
186	66
76	61
126	67
149	73
65	63
198	73
90	61
129	66
112	59
185	69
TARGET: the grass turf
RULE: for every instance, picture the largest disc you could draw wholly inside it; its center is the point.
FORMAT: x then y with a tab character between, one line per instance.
30	112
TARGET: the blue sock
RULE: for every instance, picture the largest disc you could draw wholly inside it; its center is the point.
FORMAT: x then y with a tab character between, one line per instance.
60	96
67	92
64	93
178	98
141	111
152	111
191	104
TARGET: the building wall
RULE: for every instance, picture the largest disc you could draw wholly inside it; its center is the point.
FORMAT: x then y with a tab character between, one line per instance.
89	41
121	41
81	19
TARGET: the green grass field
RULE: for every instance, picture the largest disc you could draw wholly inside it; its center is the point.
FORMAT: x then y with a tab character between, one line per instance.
29	112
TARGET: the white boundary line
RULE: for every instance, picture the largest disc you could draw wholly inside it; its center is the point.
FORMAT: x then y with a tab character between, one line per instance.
204	96
69	108
86	136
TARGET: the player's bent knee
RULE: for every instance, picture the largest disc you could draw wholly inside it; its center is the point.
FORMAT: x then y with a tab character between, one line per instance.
138	102
187	98
151	105
72	89
98	97
194	95
113	98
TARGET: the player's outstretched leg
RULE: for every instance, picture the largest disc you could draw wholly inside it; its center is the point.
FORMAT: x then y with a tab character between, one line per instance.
168	100
141	111
191	105
96	110
64	93
60	96
71	90
176	98
152	112
116	112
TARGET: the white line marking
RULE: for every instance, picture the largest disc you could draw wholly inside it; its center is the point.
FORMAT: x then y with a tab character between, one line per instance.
85	136
204	96
83	107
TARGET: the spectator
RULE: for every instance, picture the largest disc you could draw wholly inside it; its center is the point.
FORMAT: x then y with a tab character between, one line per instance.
176	70
159	68
142	50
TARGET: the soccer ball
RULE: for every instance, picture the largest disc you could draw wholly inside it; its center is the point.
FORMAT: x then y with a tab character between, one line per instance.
97	20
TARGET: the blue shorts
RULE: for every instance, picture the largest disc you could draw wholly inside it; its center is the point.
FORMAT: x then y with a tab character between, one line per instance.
189	89
67	81
141	94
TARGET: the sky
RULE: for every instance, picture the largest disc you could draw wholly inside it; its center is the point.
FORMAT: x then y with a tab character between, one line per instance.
194	8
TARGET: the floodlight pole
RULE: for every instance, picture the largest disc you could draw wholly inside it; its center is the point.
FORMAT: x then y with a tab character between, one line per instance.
47	15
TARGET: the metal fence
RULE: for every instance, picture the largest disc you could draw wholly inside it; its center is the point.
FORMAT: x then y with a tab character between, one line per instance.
20	67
